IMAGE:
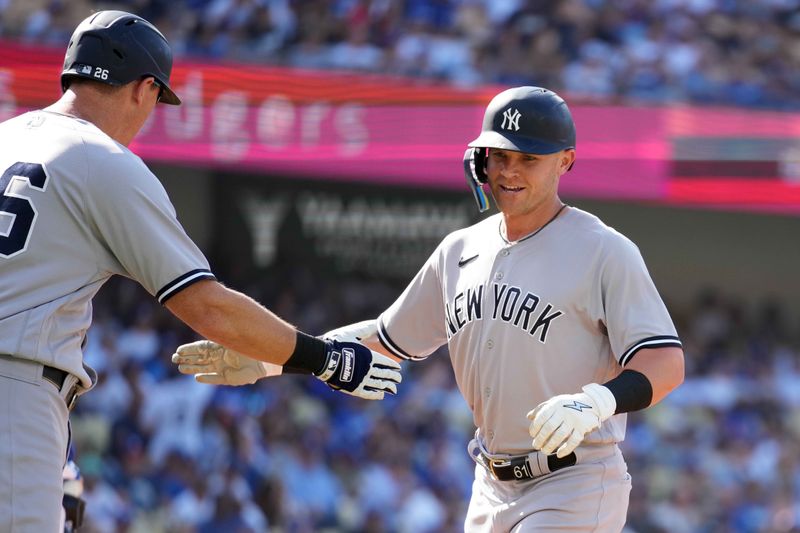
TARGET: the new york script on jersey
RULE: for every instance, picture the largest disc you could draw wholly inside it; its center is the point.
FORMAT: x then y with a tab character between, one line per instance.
509	303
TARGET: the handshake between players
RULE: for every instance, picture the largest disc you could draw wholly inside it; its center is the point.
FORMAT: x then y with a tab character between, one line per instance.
557	426
350	366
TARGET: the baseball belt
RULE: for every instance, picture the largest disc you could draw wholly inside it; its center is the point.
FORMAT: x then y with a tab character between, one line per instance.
66	383
518	467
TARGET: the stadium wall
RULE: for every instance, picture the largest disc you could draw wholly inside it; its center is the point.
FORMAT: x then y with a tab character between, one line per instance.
750	256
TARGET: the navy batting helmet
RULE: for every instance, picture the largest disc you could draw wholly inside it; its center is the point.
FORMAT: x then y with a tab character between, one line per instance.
532	120
116	48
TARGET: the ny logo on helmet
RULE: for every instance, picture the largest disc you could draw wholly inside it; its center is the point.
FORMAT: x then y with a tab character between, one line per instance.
511	116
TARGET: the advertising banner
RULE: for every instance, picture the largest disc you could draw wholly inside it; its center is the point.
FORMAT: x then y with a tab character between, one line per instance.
385	130
384	231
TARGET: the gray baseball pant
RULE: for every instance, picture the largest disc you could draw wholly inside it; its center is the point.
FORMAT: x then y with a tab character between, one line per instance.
34	437
591	496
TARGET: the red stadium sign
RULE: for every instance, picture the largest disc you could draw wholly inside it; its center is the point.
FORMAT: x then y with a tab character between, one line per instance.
380	129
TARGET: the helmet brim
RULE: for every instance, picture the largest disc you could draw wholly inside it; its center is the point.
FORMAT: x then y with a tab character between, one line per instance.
168	96
492	139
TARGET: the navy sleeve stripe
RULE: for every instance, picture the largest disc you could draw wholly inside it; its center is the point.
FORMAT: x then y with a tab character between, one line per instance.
660	341
390	345
177	285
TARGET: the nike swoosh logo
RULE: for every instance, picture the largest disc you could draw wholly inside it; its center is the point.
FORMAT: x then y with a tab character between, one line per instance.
462	261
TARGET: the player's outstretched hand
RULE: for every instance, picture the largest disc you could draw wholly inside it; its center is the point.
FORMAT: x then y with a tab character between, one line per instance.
212	363
355	369
561	423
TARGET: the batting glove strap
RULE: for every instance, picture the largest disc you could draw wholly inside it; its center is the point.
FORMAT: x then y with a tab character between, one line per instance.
332	364
346	366
560	424
603	400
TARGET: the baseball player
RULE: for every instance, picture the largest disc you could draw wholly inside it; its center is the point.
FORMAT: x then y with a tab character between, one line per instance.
76	207
554	327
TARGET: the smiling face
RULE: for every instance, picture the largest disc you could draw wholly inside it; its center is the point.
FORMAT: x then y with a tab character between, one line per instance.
525	186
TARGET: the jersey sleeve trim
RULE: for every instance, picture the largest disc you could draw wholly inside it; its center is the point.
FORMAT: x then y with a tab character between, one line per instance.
659	341
389	344
178	284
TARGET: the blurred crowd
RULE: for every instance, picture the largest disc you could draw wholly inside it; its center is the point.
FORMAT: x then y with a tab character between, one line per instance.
739	52
161	453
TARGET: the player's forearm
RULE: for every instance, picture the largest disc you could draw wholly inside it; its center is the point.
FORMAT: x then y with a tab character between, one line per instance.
235	321
375	345
663	367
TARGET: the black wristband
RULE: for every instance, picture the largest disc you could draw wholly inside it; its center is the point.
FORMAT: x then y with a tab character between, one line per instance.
309	357
632	390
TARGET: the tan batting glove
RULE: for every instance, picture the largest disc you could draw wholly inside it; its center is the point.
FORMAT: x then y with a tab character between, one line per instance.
561	423
354	332
212	363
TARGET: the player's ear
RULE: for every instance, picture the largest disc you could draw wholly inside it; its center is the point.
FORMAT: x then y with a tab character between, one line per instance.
141	90
567	160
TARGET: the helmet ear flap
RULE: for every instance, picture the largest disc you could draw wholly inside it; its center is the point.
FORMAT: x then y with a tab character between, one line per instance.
475	173
480	165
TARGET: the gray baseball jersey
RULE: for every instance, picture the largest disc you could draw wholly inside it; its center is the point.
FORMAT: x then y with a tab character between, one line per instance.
524	321
76	208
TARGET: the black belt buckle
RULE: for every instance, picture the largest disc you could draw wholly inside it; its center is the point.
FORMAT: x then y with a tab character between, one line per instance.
511	468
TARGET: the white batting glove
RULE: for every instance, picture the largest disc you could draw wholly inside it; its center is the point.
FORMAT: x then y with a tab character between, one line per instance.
354	332
561	423
212	363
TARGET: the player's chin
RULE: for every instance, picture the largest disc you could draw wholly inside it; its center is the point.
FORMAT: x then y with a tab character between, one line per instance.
509	201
